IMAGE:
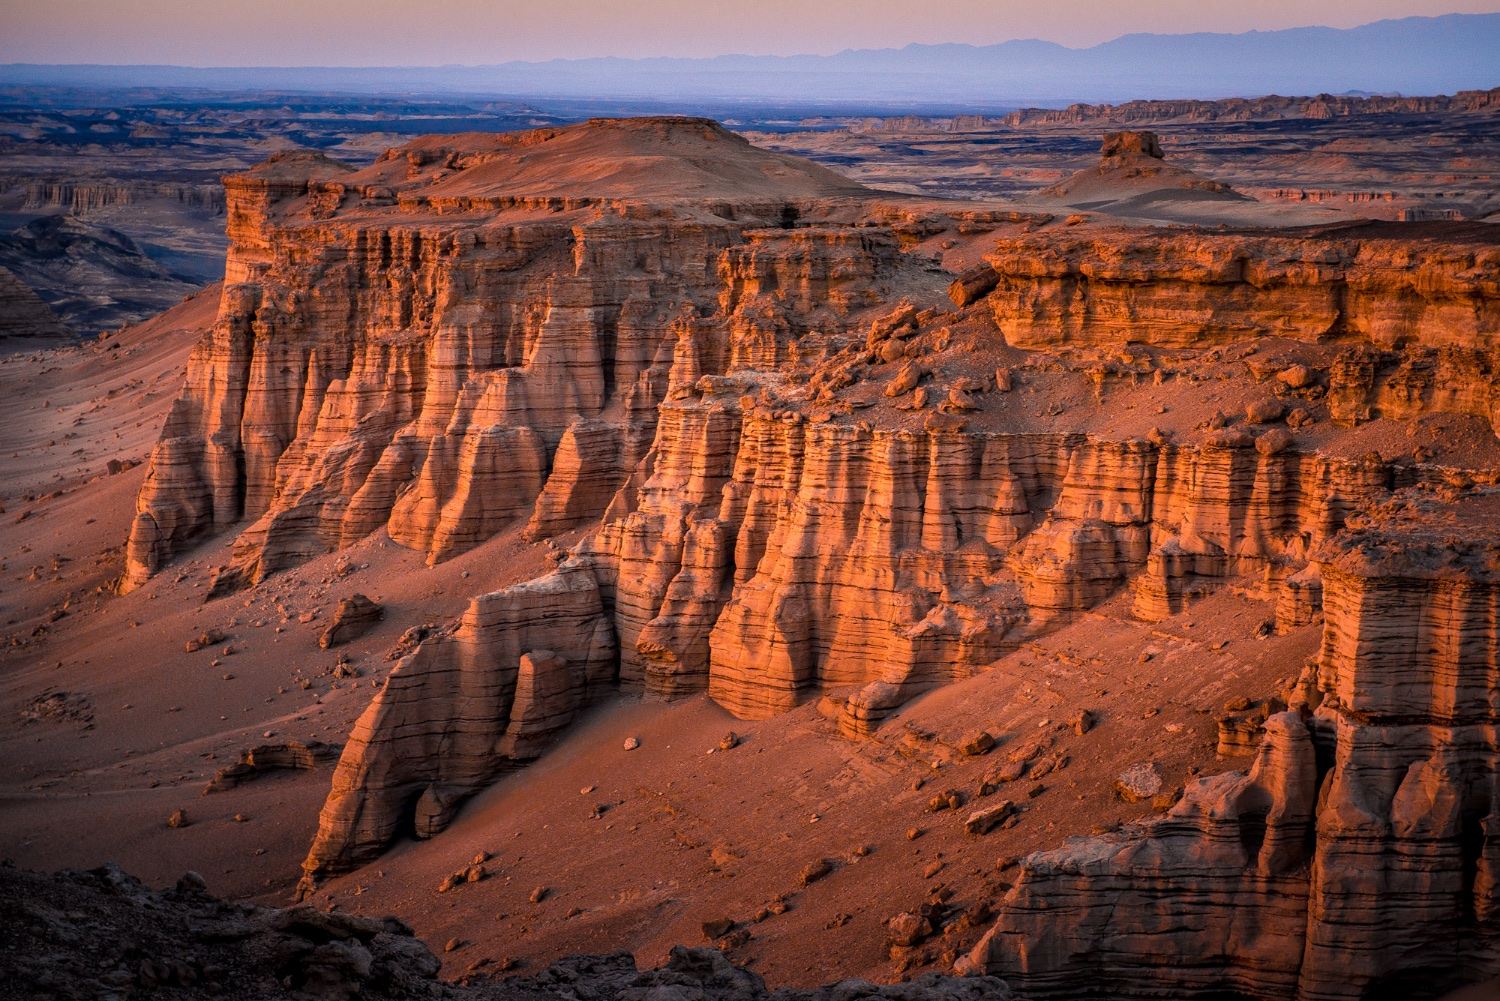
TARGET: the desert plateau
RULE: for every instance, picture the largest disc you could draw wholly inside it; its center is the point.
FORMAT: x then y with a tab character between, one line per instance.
637	539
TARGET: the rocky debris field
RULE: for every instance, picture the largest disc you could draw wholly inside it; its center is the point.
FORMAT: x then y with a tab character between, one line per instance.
102	934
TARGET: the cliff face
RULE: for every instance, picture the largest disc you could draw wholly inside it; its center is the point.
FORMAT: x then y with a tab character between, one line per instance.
377	369
1252	109
1200	289
1419	319
83	197
769	559
1356	858
802	473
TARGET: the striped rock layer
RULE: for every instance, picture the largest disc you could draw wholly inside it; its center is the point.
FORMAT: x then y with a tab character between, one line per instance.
488	334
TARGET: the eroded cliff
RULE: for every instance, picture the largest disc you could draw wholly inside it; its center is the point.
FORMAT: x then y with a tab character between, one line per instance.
801	470
1356	858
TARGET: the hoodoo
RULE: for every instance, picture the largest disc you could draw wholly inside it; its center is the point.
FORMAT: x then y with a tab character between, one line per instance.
1132	175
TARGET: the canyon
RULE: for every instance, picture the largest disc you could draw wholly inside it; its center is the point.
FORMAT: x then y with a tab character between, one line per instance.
1015	525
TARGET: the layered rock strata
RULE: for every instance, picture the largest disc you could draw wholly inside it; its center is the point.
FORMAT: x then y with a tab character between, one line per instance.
1362	285
790	484
395	350
464	706
768	558
23	314
1357	857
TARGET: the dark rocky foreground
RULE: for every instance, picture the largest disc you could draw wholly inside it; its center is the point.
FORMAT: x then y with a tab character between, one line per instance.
103	934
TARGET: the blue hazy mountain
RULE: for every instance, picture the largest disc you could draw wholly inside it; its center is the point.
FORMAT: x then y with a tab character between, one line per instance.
1417	55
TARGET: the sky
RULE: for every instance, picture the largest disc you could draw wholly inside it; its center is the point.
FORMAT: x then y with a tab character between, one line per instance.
442	32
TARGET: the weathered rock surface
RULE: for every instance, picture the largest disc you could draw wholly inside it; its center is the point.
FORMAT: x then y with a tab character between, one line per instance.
355	616
100	933
264	759
1200	289
1355	859
467	703
23	314
738	376
1133	169
434	406
898	568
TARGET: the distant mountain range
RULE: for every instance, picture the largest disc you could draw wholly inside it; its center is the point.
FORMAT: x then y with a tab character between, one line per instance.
1416	55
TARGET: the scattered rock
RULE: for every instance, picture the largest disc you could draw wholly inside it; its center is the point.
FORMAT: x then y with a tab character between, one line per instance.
973	285
355	616
212	637
908	928
1081	722
814	871
1274	441
949	799
1296	376
1264	411
905	380
986	820
977	743
717	928
1139	782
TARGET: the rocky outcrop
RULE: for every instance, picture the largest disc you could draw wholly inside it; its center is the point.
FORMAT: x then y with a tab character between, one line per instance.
1355	859
101	933
355	616
1368	382
262	760
1125	145
768	559
84	197
1201	289
460	344
23	314
1131	171
465	705
1323	106
738	380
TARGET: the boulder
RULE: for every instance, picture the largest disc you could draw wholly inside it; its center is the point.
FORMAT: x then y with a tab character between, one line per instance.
355	616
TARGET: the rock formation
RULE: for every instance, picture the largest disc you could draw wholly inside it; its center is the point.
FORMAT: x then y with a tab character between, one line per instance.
801	470
266	758
89	275
1253	109
1352	285
103	933
1356	858
355	616
1133	169
23	314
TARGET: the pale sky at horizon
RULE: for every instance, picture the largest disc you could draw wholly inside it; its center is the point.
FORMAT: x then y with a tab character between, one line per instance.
438	32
